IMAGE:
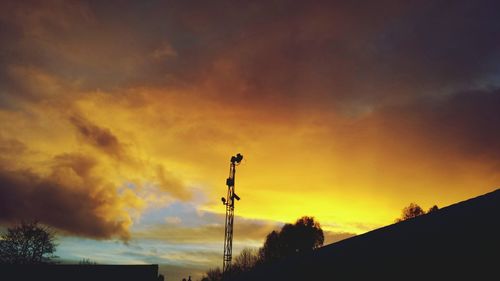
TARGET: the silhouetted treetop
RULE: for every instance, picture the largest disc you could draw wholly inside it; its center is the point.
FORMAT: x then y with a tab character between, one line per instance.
411	211
433	209
271	250
414	210
305	235
27	243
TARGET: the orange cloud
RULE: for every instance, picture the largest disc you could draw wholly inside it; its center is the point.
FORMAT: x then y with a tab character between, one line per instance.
101	138
70	198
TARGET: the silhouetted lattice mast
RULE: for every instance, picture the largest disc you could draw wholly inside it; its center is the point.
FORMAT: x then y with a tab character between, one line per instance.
229	203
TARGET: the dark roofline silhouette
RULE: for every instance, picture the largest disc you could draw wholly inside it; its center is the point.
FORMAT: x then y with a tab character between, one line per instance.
458	241
72	272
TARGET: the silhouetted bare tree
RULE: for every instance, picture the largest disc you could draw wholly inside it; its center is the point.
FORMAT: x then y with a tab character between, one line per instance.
411	211
246	260
86	261
27	243
213	274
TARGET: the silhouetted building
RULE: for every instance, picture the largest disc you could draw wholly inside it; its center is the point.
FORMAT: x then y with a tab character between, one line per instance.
458	242
79	272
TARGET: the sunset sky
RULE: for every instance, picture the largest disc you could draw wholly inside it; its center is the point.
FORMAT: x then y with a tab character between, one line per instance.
118	119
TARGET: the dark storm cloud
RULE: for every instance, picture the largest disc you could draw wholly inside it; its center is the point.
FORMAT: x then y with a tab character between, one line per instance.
268	52
75	43
439	44
330	51
69	198
459	128
101	138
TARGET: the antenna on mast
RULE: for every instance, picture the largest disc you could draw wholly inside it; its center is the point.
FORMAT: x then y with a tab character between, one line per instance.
229	203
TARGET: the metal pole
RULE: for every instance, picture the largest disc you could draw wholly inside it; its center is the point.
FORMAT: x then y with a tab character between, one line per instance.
229	203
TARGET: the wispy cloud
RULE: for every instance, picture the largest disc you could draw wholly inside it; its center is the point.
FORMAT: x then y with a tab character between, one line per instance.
101	138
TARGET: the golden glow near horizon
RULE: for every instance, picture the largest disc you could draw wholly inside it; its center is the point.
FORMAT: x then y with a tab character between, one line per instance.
347	178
